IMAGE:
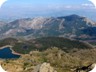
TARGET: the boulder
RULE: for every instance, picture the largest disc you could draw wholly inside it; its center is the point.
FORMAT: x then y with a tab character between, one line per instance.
45	67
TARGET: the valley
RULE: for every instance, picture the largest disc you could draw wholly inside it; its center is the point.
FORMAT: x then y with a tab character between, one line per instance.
63	54
62	44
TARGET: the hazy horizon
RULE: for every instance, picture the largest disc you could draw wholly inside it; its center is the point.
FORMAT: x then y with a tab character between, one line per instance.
13	9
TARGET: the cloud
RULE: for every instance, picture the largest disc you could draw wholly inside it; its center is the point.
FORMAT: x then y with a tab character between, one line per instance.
70	7
60	7
87	5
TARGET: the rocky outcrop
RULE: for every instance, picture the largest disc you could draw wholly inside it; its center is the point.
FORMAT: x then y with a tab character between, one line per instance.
45	67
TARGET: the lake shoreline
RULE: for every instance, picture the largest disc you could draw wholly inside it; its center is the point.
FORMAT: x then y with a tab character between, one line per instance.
9	46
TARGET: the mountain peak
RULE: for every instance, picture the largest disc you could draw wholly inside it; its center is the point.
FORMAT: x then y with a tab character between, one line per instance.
71	17
74	15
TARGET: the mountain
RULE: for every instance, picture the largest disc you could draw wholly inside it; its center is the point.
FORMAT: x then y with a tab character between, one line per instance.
48	47
66	26
2	23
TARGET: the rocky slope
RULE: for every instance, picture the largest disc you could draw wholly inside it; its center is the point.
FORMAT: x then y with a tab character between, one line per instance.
68	26
54	60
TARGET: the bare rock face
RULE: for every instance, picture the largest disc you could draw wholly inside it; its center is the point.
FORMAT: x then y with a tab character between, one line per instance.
45	67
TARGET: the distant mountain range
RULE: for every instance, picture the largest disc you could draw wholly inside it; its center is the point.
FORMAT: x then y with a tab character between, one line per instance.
72	26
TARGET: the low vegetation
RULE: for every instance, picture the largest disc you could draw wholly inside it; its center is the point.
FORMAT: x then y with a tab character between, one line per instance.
63	54
41	44
60	60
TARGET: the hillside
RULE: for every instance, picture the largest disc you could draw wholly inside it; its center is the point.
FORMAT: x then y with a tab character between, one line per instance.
58	59
66	26
45	43
56	41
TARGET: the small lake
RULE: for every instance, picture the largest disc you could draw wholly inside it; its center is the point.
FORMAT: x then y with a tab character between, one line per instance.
6	53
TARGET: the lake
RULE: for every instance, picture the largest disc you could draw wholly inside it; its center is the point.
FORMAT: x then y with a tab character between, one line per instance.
6	53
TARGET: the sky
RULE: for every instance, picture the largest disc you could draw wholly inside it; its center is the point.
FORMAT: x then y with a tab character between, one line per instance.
47	8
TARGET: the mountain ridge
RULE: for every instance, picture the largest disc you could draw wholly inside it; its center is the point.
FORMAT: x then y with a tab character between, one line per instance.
65	26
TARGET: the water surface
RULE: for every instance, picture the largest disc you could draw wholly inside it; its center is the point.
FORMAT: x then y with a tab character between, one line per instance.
6	53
